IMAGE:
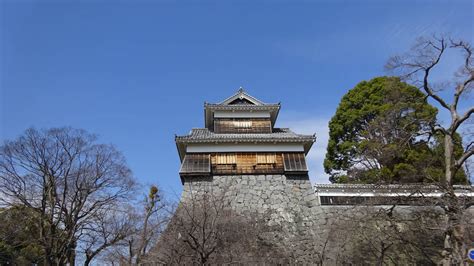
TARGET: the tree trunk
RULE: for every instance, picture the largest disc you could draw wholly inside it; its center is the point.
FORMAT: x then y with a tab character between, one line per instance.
130	252
47	259
87	261
454	247
141	250
448	160
71	253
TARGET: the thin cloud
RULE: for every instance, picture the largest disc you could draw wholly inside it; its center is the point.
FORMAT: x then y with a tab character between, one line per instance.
304	124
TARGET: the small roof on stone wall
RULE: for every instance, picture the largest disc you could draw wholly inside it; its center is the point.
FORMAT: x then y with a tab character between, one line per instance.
341	189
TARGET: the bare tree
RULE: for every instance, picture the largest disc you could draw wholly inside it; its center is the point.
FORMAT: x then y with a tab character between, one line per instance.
418	65
68	179
146	222
398	234
373	234
198	225
153	221
107	229
205	230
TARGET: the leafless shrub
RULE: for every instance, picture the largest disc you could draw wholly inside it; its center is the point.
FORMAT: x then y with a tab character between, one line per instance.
205	230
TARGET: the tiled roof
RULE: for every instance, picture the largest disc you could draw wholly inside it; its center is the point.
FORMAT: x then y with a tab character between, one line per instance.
379	187
278	135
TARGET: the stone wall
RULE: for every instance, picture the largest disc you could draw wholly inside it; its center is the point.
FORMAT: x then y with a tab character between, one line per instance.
287	202
287	199
311	233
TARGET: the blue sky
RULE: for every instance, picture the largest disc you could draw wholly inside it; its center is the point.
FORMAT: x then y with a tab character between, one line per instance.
138	72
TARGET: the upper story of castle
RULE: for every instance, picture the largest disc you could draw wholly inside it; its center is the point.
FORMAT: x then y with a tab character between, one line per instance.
240	137
241	113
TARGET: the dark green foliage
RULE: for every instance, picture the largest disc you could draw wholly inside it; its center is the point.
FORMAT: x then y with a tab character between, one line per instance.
19	235
381	133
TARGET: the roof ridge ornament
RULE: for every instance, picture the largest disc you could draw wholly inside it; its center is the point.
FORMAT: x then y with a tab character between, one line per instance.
241	92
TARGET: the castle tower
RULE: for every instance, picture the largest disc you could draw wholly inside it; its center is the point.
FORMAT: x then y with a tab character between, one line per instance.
259	168
240	138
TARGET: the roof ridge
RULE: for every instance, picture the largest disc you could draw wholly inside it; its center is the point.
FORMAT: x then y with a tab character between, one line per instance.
241	92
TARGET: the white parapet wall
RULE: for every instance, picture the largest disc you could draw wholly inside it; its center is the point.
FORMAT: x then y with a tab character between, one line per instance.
328	194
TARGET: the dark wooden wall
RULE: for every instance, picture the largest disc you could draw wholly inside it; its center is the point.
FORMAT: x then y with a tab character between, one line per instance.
258	125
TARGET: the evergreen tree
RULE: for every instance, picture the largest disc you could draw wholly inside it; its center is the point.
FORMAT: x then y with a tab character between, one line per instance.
19	235
381	133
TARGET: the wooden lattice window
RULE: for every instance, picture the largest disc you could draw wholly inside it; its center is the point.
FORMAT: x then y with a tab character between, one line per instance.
226	158
242	124
196	163
294	162
266	158
239	125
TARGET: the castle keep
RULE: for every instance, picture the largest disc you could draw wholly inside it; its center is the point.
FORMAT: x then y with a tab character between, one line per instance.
261	168
240	138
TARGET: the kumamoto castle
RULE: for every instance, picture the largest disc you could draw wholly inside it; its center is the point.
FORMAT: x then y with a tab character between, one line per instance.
240	152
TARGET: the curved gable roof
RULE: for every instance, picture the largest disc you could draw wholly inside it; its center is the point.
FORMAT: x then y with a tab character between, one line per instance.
241	97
